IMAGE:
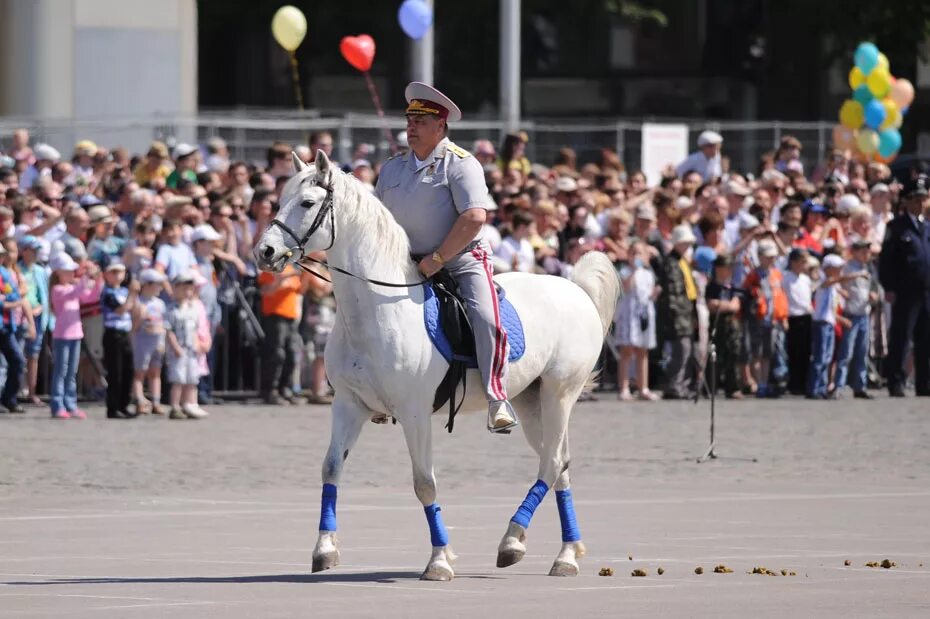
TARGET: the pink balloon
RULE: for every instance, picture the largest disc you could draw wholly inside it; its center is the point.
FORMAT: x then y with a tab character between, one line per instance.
902	93
358	51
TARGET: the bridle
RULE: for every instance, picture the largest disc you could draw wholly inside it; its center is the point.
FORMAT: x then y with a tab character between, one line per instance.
326	210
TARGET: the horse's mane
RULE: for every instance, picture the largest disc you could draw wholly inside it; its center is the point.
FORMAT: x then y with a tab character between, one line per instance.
366	214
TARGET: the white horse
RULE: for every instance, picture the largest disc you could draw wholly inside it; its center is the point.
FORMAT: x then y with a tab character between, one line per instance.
381	362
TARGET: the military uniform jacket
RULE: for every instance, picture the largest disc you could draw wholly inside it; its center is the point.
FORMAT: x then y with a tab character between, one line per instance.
904	264
675	309
427	198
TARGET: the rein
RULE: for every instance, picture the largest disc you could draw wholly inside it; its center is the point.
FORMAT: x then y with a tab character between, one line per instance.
327	209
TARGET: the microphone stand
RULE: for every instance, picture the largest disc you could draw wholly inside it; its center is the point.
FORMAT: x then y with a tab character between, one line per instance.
711	383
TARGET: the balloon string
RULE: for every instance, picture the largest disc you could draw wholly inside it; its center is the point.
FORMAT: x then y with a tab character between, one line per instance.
377	101
295	78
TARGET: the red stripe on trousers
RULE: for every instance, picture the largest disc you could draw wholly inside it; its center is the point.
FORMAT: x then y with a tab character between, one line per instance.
500	344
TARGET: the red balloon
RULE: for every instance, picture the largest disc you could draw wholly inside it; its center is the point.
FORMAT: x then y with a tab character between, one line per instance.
358	51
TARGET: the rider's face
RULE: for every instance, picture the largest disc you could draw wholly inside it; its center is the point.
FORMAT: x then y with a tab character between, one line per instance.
424	130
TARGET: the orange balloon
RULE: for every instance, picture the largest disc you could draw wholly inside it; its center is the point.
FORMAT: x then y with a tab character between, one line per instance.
843	137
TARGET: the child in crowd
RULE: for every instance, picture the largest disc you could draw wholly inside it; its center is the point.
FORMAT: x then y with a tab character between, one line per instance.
37	292
117	302
148	341
22	317
767	316
185	326
140	251
635	323
67	295
703	266
827	301
13	305
852	362
799	290
677	299
724	306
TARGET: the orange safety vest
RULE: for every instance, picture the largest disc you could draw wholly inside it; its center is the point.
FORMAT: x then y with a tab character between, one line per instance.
753	284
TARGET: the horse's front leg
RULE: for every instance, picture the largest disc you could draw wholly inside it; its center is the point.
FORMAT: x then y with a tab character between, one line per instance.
349	415
419	435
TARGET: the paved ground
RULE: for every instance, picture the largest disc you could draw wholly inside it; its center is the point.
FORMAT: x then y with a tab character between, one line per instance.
153	518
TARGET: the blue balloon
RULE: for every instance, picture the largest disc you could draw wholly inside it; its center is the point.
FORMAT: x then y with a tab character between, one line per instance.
889	142
863	95
874	114
866	57
415	17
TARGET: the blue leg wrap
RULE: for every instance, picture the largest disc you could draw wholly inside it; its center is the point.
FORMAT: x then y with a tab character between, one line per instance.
570	532
437	530
533	498
328	508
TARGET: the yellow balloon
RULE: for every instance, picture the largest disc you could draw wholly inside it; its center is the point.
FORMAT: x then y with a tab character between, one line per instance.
883	62
879	82
289	27
867	141
851	114
856	78
892	113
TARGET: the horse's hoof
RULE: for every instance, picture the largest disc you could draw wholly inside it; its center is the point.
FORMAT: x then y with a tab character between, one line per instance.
325	561
564	568
439	571
510	556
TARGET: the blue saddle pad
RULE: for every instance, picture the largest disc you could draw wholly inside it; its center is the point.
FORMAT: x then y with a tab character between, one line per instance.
510	320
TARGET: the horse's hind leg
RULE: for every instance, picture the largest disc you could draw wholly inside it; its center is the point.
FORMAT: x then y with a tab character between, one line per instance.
513	545
348	418
419	437
550	440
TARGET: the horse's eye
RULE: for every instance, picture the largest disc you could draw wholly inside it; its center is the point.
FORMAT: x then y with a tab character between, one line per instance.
307	204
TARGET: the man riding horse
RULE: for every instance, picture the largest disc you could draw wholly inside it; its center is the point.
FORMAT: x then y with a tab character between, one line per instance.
437	193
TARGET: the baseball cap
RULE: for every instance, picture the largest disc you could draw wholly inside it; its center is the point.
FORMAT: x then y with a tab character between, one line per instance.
682	234
361	163
709	137
99	214
704	258
63	262
846	203
833	261
30	242
205	232
735	188
880	188
814	207
151	276
767	249
45	151
566	184
183	278
860	243
646	211
183	150
116	265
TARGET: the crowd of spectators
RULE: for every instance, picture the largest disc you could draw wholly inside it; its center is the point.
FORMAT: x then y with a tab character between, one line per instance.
140	257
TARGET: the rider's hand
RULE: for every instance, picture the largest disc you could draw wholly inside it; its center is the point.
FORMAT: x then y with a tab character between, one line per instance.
429	267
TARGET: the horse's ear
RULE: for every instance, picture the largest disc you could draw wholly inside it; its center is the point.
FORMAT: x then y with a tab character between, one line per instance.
321	162
299	165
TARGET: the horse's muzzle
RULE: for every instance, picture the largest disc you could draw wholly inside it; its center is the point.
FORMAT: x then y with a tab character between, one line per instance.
269	259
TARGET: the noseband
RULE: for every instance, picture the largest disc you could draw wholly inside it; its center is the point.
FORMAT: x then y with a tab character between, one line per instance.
325	209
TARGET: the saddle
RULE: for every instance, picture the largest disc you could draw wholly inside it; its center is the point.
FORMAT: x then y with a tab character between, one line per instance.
450	331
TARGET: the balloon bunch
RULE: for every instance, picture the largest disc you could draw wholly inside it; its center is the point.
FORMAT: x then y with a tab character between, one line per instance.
289	27
870	121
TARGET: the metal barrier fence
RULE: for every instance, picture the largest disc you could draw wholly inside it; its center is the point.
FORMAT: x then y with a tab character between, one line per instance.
249	133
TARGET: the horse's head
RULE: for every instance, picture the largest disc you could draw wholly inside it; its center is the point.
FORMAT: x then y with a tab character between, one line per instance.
304	223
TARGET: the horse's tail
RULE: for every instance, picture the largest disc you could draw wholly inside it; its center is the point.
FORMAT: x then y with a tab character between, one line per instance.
596	275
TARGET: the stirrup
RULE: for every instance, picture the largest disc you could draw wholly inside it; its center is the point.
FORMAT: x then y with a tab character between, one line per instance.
502	429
